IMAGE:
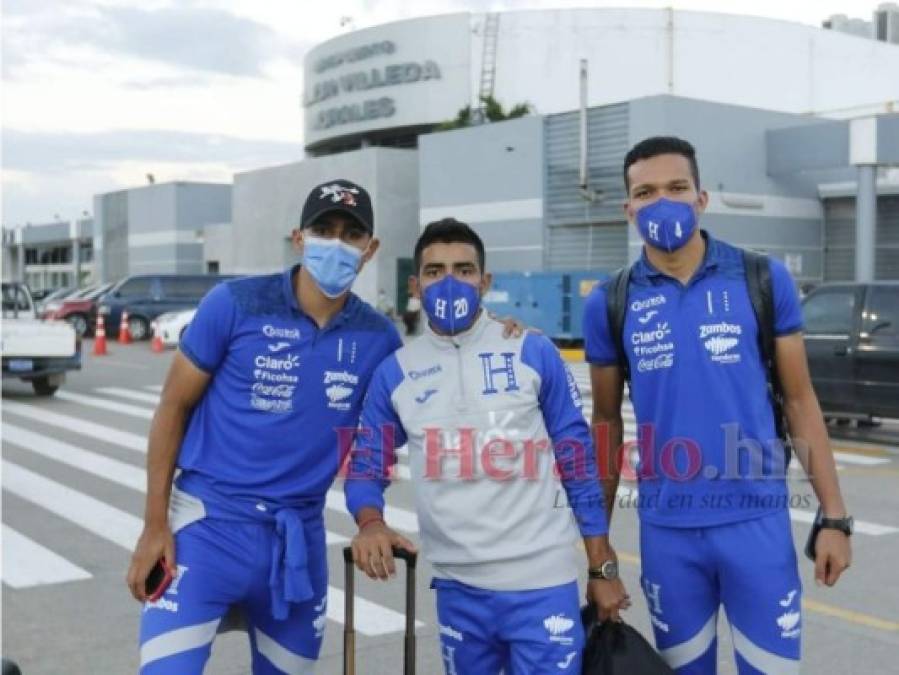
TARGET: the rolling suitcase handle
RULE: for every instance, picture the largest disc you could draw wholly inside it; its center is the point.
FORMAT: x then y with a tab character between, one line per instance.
349	631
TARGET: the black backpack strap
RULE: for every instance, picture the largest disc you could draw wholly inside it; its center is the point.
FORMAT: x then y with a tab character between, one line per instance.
761	294
616	309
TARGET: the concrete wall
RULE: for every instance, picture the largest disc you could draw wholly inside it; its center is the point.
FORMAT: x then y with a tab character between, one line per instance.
267	204
218	246
166	225
490	176
156	228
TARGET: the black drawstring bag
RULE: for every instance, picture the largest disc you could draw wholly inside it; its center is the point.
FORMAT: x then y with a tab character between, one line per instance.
618	649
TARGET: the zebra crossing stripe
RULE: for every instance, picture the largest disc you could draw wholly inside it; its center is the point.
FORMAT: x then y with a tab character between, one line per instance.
862	460
26	563
370	618
111	469
120	473
105	404
77	425
129	393
123	529
861	526
105	521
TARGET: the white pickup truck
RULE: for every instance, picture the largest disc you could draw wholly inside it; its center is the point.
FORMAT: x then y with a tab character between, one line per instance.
40	352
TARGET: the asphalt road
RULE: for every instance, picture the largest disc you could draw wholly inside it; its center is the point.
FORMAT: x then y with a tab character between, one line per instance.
73	496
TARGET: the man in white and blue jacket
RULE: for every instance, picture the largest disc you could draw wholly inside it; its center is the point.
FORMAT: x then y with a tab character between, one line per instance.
504	474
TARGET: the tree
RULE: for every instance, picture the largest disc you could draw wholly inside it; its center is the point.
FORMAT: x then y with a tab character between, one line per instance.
492	111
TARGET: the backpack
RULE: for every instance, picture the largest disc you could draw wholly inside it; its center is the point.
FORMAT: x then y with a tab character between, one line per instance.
617	649
761	296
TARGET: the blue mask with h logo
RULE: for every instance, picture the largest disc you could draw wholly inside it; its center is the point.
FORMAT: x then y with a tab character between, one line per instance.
667	224
451	305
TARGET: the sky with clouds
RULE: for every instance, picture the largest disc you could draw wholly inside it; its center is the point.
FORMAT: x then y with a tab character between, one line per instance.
98	93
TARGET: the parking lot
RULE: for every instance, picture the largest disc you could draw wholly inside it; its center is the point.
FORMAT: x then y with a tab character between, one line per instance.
73	483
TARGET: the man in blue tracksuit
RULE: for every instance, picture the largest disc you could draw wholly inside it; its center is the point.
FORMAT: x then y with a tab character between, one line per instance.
713	500
488	422
269	371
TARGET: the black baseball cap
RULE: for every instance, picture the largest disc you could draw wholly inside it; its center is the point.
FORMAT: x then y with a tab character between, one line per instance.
339	195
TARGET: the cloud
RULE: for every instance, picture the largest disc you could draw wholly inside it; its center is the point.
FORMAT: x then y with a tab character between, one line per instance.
60	152
203	39
175	82
61	172
197	38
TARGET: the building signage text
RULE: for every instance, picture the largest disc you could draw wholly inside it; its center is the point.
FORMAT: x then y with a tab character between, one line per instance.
361	81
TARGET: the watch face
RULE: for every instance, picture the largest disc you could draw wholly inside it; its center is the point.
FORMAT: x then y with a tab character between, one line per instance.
610	570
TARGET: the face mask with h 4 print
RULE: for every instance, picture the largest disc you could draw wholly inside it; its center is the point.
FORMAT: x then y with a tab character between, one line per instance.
666	224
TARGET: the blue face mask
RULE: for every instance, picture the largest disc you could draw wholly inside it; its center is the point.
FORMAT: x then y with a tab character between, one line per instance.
667	224
332	264
451	305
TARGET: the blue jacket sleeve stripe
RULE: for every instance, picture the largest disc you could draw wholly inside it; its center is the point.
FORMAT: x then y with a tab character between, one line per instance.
560	403
377	438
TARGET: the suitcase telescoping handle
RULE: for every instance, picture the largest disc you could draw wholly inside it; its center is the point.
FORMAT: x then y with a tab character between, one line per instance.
349	632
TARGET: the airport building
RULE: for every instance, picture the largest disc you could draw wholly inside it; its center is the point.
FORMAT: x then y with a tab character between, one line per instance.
50	255
788	121
796	128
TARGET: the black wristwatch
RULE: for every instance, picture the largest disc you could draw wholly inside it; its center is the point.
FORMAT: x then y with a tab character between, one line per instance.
608	571
845	525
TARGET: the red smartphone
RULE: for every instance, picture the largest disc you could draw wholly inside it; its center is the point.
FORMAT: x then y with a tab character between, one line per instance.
158	580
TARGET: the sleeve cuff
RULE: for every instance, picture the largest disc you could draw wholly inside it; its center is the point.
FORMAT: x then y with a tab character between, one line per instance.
789	331
597	529
194	359
598	361
356	502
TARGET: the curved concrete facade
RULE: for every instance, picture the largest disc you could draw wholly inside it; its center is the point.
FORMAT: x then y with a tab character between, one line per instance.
385	84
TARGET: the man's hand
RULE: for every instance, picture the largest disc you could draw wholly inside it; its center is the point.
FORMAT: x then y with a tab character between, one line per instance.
512	327
155	542
833	555
609	598
373	550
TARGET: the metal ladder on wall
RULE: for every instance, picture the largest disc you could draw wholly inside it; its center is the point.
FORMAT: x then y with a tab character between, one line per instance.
488	60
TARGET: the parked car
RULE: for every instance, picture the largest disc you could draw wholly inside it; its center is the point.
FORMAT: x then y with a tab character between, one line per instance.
35	351
43	301
147	296
79	309
171	326
852	339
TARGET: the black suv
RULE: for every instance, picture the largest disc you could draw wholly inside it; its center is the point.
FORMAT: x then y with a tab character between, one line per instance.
147	296
852	339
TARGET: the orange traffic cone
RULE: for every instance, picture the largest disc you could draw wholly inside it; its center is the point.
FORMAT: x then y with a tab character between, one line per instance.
100	337
124	333
156	344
